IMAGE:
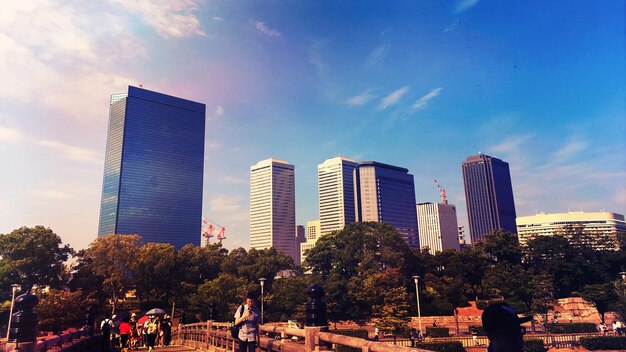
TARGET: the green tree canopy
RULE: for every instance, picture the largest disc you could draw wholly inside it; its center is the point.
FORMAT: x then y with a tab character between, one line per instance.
156	272
32	255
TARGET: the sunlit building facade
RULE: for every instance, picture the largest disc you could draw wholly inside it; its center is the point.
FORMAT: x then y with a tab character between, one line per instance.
313	233
273	206
597	229
154	164
336	187
488	195
438	227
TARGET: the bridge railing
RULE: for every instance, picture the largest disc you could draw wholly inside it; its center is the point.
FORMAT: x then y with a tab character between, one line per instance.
81	340
215	336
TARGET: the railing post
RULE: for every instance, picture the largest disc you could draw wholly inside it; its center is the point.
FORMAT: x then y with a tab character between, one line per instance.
316	320
24	327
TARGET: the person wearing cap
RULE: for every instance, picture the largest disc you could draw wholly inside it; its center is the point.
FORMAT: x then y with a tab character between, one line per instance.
504	328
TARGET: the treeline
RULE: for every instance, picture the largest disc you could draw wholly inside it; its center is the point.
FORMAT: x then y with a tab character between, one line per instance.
366	269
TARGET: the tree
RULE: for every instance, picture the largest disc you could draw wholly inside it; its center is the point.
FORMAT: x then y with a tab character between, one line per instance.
32	255
226	291
502	246
543	296
112	259
196	265
600	295
388	297
256	264
156	273
58	310
510	281
287	299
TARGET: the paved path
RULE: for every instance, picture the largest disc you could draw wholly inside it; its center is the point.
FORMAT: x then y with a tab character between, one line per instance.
163	349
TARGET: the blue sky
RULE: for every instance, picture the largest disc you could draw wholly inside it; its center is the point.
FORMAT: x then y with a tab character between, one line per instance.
418	84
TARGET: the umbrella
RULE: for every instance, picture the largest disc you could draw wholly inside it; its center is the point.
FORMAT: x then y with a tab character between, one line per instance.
155	311
142	320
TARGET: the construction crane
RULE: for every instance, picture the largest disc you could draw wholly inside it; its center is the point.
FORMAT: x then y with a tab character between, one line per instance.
208	229
442	193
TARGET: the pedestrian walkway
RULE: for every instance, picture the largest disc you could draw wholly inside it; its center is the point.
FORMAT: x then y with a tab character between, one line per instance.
163	349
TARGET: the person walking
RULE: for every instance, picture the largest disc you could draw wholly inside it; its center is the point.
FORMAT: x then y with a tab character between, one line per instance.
151	327
503	328
166	329
249	317
105	328
125	332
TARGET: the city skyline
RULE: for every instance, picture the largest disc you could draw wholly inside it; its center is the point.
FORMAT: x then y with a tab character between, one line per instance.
422	85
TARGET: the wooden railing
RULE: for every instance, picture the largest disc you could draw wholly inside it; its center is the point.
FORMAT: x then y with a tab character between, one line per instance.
215	337
81	340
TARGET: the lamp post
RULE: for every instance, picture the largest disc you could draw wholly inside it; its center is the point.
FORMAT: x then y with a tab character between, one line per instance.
262	281
14	289
417	297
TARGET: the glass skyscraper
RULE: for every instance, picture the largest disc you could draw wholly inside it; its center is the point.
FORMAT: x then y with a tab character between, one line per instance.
153	169
386	193
489	196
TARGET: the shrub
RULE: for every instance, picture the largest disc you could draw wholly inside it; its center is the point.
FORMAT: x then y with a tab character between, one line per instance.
443	346
570	328
534	346
360	333
437	332
603	342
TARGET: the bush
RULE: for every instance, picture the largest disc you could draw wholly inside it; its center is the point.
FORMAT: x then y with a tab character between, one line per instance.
443	346
360	333
570	328
432	331
534	346
603	342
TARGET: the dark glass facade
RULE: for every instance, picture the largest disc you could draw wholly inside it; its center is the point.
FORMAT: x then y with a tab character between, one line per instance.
488	195
386	193
154	166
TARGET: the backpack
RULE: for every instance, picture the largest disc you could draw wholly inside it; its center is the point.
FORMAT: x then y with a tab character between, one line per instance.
234	329
152	328
106	328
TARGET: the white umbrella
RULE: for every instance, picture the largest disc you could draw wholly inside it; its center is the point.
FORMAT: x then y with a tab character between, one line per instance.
155	311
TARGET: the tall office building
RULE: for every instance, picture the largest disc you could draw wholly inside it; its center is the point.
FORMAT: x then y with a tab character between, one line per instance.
386	193
597	229
438	227
313	233
336	186
489	196
273	206
153	168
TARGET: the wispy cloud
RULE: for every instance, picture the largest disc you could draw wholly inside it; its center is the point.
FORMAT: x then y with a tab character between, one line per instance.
226	203
511	144
360	99
219	111
49	193
423	101
569	150
79	154
377	55
263	28
217	18
234	180
393	98
10	135
174	18
465	5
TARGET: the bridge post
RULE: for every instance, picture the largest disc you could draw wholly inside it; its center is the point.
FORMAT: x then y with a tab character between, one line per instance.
24	328
316	320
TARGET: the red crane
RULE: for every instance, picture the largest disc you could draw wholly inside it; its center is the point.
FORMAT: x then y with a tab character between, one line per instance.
208	228
442	193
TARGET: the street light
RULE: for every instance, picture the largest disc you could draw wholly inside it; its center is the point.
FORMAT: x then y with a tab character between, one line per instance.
417	297
262	280
14	289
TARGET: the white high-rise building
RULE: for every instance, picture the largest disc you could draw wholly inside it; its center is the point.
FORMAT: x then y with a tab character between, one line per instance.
597	229
438	227
313	233
337	201
273	206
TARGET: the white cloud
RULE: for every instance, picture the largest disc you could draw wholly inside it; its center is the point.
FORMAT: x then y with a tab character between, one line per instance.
423	101
465	5
512	144
10	135
569	150
216	18
234	180
262	28
171	18
226	204
360	99
377	55
393	98
49	193
219	111
82	155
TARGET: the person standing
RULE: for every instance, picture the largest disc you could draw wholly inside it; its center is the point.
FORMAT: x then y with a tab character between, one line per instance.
125	332
503	328
249	317
166	329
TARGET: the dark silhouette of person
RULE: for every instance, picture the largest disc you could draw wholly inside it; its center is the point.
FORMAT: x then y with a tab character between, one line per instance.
503	328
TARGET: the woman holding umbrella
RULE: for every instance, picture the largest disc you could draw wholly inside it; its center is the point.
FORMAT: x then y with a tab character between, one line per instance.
151	327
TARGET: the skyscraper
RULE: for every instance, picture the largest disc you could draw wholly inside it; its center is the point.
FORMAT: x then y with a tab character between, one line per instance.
438	227
336	187
273	206
153	168
489	196
386	193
